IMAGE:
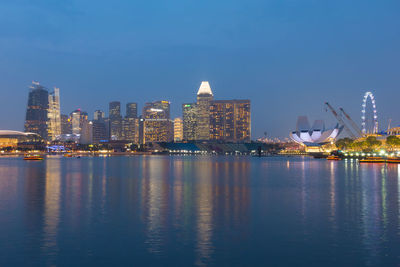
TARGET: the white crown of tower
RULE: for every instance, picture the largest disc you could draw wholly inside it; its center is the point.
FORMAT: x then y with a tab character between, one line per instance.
204	89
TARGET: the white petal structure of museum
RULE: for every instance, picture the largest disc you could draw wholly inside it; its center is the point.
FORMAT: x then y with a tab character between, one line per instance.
316	135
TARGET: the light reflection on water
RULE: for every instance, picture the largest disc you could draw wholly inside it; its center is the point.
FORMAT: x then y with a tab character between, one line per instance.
161	210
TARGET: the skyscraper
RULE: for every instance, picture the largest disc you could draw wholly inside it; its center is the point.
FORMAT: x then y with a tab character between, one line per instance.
98	115
99	131
115	120
75	118
54	115
130	124
99	127
36	113
204	97
66	125
130	129
153	110
189	112
131	110
78	118
157	126
86	133
178	130
230	120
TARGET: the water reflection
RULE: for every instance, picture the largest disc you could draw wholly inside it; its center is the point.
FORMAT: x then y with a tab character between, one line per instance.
200	210
52	205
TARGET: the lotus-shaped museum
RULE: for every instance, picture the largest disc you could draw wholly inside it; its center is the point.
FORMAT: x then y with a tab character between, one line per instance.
316	135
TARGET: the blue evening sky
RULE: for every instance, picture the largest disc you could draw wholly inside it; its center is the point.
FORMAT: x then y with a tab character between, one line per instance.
287	57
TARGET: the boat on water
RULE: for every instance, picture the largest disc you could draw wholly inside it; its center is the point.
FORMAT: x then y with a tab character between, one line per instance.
333	157
33	157
372	160
68	155
393	160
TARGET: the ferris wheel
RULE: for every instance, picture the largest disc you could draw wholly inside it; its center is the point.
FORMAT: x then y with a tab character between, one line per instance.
368	118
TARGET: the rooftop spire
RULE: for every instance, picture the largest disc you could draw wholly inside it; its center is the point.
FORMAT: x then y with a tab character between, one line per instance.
204	89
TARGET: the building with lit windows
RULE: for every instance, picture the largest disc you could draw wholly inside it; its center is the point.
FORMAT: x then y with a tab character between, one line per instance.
54	115
36	120
130	129
19	140
156	122
230	120
204	98
189	114
78	118
115	120
178	130
131	110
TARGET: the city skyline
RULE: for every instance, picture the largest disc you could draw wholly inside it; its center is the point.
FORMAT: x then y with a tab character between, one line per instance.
278	55
207	120
176	112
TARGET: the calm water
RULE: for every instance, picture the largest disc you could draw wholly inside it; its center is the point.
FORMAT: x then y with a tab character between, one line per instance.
183	211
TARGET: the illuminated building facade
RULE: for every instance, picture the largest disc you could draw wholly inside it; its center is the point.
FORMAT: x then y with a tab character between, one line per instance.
54	115
230	120
36	120
130	129
189	112
115	120
204	98
156	123
20	140
178	130
78	118
131	110
314	137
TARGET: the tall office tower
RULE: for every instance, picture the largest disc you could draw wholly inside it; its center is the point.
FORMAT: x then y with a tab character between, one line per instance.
178	130
131	110
36	113
66	125
230	120
130	129
153	110
204	97
86	137
100	127
78	118
75	118
98	115
157	126
99	131
115	120
189	112
54	116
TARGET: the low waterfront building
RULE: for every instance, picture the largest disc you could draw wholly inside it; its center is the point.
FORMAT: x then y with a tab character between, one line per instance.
19	140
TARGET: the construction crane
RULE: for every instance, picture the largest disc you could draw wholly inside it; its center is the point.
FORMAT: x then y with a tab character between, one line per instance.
339	119
390	121
353	124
